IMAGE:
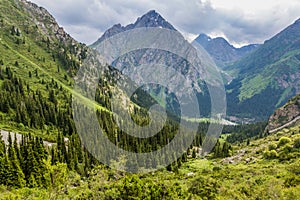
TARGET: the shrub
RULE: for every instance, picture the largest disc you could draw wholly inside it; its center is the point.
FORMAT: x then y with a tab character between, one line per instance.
21	126
205	188
283	141
272	146
217	168
297	143
271	154
294	168
287	148
292	181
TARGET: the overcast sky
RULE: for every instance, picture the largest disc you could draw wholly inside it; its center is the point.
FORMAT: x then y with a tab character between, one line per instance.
240	21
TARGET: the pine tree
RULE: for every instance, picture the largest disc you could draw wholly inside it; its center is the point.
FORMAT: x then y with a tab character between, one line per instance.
32	164
54	157
17	150
61	149
87	164
4	166
194	154
225	149
24	153
16	175
1	73
4	169
18	32
32	182
217	149
13	30
10	147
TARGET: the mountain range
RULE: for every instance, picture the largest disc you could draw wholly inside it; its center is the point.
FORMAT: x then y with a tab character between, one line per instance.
221	51
261	77
46	92
172	52
48	157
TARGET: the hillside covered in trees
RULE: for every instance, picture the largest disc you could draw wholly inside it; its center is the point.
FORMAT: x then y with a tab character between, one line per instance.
38	63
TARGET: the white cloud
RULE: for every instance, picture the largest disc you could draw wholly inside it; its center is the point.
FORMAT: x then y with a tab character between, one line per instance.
247	21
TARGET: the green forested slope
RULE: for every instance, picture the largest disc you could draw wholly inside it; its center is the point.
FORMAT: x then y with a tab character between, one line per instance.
34	62
268	77
38	61
263	168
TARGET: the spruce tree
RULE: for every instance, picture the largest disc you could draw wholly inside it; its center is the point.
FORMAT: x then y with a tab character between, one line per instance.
4	166
217	149
32	164
225	149
16	176
17	150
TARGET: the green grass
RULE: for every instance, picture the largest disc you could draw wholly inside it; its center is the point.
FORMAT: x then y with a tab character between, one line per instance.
253	86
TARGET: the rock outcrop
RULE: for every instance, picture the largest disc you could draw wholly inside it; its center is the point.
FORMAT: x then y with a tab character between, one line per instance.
286	115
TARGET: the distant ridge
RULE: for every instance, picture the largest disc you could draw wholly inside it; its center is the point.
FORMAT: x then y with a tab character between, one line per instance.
222	51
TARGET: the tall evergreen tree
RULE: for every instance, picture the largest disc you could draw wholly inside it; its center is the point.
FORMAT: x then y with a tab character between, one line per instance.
16	176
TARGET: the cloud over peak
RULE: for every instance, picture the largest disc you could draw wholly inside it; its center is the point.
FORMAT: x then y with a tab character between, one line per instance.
241	22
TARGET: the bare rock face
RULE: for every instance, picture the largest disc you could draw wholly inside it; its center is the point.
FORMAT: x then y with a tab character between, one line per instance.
150	19
48	27
45	21
285	114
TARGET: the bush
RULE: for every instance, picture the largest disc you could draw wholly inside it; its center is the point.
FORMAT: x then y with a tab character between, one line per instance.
272	146
292	181
205	188
297	143
287	148
271	154
294	168
217	168
21	126
283	141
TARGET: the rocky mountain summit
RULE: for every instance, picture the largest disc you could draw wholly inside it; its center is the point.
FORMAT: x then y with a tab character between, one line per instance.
49	27
168	49
150	19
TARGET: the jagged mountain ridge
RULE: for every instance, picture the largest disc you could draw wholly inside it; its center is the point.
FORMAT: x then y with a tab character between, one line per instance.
47	23
196	74
150	19
222	51
246	88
